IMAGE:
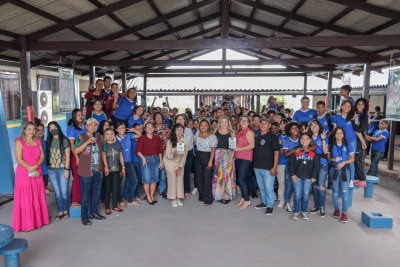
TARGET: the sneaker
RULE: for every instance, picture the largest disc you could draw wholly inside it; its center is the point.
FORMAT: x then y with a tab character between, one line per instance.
179	202
260	206
351	184
281	204
336	214
269	211
194	191
288	207
305	216
295	216
314	210
344	218
322	212
174	203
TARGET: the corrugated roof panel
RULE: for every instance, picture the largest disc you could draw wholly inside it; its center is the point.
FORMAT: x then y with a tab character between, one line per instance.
211	23
313	9
361	21
154	29
129	37
183	19
272	52
287	5
168	37
136	14
371	48
238	23
20	21
395	29
64	35
169	6
10	53
209	9
116	56
329	33
268	17
391	4
64	9
100	27
6	38
189	31
300	27
340	53
261	30
88	53
298	52
241	9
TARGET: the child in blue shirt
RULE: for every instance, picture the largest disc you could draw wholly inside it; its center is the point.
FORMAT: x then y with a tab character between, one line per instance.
378	140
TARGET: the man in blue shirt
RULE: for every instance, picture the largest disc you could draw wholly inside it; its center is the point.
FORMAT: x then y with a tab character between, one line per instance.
345	94
168	121
378	140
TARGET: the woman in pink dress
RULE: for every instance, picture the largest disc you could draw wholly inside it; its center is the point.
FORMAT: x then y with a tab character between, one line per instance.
30	208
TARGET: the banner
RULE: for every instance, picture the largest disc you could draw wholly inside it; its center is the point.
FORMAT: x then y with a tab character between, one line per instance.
67	90
393	95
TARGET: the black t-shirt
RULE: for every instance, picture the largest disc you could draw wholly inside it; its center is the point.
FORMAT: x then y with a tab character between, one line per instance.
265	146
223	140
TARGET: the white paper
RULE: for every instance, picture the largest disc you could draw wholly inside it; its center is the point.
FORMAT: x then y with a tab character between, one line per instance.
180	148
232	142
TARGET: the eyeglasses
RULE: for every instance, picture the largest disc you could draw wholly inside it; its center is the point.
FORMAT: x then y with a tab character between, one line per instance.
158	117
149	127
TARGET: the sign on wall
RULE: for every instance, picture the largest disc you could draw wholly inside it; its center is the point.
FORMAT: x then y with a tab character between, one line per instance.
67	90
393	95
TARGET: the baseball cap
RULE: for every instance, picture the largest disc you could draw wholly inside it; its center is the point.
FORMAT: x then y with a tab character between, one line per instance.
265	119
91	120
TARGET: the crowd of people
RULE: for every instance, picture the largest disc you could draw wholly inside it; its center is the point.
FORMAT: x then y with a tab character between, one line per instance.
117	147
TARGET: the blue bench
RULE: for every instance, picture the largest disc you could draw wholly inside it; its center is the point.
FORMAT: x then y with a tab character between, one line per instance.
369	189
12	250
374	219
350	197
75	212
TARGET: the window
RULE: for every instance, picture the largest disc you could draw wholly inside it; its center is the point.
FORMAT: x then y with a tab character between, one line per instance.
9	87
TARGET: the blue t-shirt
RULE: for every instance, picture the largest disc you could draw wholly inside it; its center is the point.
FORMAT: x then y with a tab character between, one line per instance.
282	159
320	150
340	121
132	121
168	122
125	108
126	146
372	127
381	144
350	99
256	132
341	151
304	116
289	143
73	133
324	122
135	157
99	118
274	106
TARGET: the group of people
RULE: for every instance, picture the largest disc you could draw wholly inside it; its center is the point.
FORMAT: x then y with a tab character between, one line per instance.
117	147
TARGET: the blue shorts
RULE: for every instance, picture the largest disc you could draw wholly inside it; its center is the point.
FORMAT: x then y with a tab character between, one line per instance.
150	172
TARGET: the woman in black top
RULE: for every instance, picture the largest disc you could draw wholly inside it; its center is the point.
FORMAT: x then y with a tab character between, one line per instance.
360	127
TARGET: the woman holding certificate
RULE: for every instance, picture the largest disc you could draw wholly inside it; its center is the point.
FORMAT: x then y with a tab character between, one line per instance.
174	163
224	179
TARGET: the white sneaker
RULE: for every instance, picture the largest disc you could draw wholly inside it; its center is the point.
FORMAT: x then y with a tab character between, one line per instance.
281	204
174	203
351	184
179	202
194	191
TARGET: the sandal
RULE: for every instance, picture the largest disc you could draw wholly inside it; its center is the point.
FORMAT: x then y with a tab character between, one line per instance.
134	203
117	210
59	217
240	203
66	215
108	212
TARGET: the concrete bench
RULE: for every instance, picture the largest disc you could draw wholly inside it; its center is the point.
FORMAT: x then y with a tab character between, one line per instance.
350	197
374	219
12	250
75	212
369	189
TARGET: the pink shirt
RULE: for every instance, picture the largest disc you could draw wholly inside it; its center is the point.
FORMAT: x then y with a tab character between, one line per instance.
241	141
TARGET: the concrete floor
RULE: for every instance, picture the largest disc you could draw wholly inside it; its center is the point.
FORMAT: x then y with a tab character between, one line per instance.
219	235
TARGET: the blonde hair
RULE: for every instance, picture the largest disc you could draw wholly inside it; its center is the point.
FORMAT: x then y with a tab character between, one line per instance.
25	126
230	130
105	138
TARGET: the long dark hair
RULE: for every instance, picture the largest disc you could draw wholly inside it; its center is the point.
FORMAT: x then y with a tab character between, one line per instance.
321	128
240	113
332	139
352	111
73	121
101	126
189	114
61	138
172	136
364	114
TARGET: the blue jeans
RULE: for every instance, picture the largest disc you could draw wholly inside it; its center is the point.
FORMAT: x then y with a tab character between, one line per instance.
243	170
162	184
343	186
288	185
138	171
188	169
351	165
320	194
301	190
252	180
375	158
90	194
60	186
130	182
150	172
265	182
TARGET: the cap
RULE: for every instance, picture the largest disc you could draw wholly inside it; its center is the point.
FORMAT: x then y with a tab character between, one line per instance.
91	120
265	119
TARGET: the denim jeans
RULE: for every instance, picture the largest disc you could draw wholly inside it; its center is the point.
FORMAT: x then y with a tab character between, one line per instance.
130	182
252	179
138	171
90	194
150	172
60	186
162	184
343	186
242	171
288	185
265	182
320	195
188	168
375	158
352	165
301	190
